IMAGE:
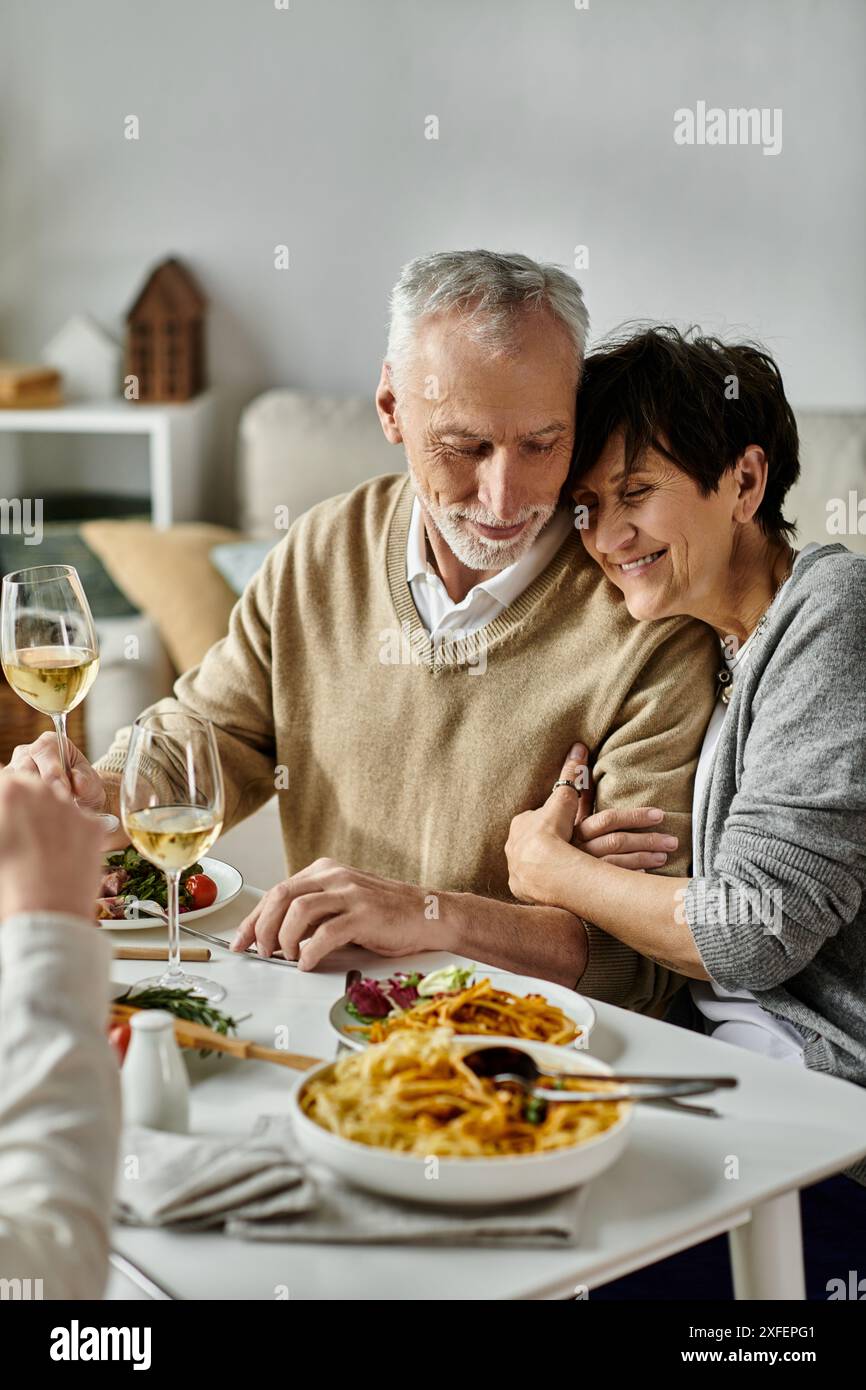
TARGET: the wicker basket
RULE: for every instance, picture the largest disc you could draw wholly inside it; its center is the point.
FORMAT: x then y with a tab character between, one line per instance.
21	724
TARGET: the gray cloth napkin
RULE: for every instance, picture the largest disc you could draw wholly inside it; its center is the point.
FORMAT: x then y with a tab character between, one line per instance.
259	1188
199	1182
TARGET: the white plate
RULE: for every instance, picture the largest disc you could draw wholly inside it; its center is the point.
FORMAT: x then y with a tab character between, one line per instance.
467	1181
229	882
573	1005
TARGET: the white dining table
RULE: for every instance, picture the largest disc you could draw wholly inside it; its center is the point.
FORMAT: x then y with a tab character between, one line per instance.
682	1179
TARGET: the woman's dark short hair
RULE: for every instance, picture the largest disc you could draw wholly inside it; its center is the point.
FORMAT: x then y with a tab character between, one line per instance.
698	401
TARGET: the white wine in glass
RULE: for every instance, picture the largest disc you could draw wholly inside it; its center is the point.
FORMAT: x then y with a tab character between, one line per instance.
52	679
172	805
48	645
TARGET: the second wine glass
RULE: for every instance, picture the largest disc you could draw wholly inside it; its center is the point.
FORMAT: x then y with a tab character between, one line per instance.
172	806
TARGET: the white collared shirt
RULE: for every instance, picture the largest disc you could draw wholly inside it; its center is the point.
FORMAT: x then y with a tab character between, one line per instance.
485	601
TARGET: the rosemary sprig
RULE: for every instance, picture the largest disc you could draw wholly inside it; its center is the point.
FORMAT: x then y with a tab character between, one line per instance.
184	1003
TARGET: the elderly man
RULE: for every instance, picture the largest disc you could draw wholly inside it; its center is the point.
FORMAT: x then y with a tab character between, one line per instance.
412	660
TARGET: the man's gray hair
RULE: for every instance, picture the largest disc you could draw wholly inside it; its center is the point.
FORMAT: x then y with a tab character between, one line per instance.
487	289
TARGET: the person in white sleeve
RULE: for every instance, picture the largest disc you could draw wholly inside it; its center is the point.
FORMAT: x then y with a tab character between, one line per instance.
59	1090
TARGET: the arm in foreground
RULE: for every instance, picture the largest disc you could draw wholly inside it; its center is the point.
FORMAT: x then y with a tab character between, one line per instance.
59	1092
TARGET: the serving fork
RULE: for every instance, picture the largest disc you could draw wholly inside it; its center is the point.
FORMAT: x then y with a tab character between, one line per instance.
514	1067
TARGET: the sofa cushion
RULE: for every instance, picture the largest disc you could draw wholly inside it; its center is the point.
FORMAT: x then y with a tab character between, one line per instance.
833	464
168	574
297	449
239	561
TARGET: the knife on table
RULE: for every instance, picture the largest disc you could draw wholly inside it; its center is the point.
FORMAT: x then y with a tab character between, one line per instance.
226	946
136	907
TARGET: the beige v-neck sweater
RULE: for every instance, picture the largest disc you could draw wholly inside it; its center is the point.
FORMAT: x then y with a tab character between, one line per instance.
407	759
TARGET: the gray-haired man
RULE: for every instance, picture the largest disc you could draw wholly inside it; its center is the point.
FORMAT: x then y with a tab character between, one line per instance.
421	653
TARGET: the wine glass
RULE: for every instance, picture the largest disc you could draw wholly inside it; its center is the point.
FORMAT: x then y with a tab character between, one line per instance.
172	804
48	646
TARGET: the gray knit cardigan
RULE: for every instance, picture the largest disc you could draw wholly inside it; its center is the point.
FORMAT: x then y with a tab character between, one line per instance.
777	904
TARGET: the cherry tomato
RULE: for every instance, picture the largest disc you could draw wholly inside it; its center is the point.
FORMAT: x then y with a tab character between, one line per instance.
201	889
119	1035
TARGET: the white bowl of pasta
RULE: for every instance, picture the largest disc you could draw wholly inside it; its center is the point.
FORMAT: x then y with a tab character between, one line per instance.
406	1119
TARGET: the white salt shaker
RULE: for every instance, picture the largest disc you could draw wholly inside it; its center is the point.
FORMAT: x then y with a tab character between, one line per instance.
153	1080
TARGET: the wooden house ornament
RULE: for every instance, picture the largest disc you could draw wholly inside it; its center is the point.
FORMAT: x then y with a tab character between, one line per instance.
165	336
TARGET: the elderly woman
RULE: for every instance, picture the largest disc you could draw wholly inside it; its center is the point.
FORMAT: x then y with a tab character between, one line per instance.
686	450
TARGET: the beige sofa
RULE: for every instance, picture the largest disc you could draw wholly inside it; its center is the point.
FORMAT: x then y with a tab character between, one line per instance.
296	449
833	465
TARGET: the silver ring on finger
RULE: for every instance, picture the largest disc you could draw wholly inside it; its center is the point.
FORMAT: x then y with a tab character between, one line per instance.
564	782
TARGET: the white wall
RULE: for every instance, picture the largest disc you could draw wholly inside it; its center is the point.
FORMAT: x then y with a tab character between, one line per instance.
261	126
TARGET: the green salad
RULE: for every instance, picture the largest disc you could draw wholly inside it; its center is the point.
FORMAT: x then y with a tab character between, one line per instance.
146	882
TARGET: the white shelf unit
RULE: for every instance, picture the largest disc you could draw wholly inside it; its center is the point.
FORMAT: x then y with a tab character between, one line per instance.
179	439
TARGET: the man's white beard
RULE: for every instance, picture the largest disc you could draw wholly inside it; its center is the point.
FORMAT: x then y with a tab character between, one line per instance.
477	552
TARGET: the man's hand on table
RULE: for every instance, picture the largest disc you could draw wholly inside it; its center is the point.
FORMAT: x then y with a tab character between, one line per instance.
329	905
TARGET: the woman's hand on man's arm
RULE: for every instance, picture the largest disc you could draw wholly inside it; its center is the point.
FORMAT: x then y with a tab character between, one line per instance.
546	869
626	837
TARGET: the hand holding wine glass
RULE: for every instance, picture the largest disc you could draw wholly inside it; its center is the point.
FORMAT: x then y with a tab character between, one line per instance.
35	821
172	804
41	759
49	650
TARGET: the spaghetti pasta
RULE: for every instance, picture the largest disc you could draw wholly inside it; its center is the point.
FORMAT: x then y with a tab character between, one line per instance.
414	1094
483	1009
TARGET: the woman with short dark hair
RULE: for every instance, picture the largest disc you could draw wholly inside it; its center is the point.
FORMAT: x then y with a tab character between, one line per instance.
686	450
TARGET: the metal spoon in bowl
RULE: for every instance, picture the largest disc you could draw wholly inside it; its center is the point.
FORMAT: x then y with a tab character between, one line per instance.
512	1066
